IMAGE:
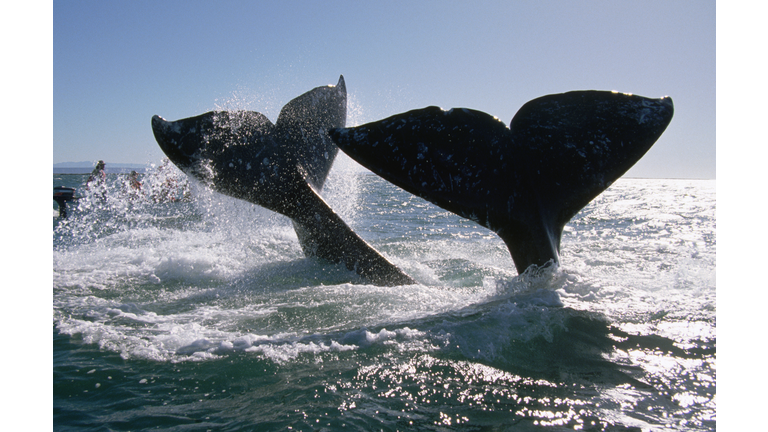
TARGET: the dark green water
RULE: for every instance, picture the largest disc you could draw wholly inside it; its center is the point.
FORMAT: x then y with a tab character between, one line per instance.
203	315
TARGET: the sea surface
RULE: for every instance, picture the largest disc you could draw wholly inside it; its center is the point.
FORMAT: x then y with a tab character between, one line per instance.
181	309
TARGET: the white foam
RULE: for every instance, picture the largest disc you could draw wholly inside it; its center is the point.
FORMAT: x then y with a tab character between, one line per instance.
280	353
231	277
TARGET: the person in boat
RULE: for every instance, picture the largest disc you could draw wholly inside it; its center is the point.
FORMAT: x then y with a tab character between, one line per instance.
133	178
132	186
98	175
97	181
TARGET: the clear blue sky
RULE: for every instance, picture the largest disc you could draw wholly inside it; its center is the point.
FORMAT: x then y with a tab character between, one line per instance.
117	63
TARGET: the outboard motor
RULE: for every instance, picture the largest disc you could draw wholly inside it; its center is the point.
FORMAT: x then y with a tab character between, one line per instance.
62	195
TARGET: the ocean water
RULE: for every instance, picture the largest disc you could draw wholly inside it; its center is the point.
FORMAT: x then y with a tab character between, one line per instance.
202	313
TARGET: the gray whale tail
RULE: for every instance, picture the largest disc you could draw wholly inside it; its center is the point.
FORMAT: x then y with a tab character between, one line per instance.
281	167
524	182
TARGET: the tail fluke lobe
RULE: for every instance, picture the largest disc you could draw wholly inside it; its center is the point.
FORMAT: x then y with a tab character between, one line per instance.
581	142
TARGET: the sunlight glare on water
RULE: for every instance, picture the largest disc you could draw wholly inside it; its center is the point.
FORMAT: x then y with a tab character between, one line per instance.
214	291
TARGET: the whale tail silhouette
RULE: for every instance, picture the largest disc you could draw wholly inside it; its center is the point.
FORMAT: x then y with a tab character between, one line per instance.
524	182
280	167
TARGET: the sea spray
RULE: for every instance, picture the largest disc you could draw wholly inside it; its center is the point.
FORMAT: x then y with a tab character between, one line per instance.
205	313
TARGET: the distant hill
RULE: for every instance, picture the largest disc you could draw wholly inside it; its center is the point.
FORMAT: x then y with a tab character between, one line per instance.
86	167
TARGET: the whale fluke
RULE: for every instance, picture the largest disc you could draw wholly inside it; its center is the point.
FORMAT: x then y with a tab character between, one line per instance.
524	182
280	167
